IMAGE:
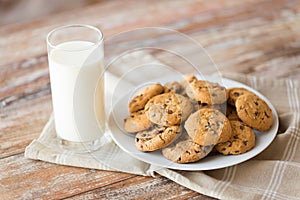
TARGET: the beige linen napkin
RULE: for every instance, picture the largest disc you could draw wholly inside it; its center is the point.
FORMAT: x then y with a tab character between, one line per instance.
273	174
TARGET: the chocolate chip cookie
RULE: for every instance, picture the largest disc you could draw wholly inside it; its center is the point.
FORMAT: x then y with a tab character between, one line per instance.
206	92
136	121
186	151
231	113
168	109
156	137
139	100
254	111
234	93
174	87
208	127
241	141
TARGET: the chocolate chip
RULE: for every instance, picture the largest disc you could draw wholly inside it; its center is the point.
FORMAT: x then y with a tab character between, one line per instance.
256	113
245	142
236	94
137	139
206	127
242	127
169	111
256	103
267	115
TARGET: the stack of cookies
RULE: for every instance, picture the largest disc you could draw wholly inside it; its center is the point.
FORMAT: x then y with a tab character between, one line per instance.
191	118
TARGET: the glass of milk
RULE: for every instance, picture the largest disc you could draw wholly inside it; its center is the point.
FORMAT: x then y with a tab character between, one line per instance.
75	55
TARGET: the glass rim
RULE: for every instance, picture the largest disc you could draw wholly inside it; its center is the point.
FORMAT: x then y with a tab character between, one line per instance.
99	41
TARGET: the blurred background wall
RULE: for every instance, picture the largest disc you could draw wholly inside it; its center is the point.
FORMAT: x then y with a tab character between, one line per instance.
14	11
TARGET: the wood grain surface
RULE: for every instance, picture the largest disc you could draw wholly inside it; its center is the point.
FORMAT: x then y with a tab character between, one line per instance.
258	37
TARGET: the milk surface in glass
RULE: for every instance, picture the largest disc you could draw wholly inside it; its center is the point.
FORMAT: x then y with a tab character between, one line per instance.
76	69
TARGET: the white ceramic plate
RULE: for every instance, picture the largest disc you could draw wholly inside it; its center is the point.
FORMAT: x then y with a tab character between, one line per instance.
126	141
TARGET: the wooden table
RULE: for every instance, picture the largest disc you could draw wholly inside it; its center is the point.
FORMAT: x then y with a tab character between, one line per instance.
252	37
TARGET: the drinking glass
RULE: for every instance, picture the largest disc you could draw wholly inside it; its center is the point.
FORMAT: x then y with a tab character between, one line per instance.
75	56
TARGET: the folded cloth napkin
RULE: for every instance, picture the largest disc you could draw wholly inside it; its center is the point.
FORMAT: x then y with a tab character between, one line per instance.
273	174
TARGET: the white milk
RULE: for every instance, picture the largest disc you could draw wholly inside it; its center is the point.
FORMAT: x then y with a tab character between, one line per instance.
77	90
